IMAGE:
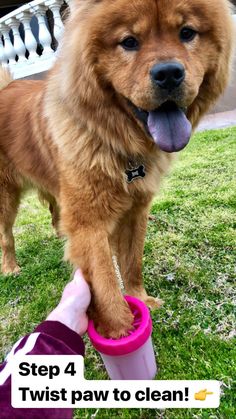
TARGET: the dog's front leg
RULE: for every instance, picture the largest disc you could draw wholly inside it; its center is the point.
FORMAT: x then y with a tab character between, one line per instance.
88	248
130	238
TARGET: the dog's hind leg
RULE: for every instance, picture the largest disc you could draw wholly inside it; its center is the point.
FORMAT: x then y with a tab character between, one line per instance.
55	213
46	198
9	202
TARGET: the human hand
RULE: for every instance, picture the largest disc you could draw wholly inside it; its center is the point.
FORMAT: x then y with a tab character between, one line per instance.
73	305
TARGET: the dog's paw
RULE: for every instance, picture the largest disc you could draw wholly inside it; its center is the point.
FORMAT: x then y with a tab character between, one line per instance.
140	293
11	270
153	303
118	324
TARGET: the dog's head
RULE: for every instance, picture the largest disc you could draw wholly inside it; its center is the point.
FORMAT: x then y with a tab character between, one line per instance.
167	60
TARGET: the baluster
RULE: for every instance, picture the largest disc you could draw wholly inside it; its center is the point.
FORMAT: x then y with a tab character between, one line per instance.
55	6
10	52
30	41
44	34
19	45
3	59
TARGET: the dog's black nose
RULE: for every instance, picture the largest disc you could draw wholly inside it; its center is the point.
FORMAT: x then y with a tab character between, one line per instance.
168	75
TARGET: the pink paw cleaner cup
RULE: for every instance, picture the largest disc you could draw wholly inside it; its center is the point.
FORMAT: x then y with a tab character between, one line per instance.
130	357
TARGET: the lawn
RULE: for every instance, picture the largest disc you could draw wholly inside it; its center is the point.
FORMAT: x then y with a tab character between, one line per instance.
189	262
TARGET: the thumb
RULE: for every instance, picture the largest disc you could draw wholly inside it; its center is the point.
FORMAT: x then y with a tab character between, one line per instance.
82	290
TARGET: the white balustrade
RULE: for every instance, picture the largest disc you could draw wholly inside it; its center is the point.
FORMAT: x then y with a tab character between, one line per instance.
9	50
18	44
45	37
55	6
27	40
3	58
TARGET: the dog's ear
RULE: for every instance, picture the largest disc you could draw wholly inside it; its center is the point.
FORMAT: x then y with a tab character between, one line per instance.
217	78
88	2
74	4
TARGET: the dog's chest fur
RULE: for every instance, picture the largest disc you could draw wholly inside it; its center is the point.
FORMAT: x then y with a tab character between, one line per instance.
144	178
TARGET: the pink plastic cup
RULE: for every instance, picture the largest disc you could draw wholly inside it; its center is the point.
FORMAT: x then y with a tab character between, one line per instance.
130	357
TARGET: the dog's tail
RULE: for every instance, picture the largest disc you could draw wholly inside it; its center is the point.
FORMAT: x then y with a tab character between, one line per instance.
5	78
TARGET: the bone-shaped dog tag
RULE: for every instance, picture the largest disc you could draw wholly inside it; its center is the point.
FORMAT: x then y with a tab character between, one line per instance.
135	173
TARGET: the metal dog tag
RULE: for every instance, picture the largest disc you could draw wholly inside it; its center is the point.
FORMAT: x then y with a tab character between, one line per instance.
135	173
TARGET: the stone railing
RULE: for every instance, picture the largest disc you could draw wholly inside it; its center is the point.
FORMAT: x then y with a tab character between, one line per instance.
29	36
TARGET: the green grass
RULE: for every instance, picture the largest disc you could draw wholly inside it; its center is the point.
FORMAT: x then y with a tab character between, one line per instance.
189	262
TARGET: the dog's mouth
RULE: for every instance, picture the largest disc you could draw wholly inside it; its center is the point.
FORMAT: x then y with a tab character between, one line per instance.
168	126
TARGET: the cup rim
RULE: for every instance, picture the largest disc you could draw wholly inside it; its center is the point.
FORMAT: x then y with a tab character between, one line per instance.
127	344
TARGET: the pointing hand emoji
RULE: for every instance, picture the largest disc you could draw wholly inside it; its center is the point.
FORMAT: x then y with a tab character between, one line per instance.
201	395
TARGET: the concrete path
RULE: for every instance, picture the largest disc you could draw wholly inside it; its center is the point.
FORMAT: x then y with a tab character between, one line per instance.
218	120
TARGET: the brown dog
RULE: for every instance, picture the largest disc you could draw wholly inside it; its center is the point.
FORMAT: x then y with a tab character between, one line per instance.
96	137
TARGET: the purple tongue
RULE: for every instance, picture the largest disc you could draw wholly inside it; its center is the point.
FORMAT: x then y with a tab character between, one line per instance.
170	128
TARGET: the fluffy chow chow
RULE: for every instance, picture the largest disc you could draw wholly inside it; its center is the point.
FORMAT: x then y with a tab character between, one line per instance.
131	81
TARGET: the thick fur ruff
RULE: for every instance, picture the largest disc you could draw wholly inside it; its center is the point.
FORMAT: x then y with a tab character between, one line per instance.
5	78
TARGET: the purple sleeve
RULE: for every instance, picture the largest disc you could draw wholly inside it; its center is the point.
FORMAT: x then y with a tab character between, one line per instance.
49	338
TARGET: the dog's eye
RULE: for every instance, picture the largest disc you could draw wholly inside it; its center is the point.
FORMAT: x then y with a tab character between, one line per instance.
130	43
187	34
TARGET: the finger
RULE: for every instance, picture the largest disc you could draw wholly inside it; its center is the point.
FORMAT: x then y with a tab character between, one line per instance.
78	276
83	288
